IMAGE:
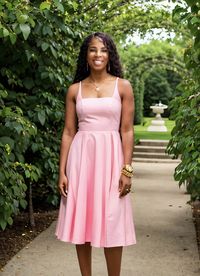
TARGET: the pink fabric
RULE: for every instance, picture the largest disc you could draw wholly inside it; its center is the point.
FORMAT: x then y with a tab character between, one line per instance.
93	211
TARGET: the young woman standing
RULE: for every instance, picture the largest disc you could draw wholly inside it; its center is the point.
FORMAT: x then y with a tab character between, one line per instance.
95	157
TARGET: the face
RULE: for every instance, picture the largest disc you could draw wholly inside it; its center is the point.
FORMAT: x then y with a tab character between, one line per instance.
97	54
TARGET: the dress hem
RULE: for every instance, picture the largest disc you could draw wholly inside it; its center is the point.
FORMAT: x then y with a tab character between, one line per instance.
129	243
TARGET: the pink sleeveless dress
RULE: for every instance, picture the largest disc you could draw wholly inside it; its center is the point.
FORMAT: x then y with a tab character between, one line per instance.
93	211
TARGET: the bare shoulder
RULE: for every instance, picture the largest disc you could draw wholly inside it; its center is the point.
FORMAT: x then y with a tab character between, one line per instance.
124	82
72	91
125	88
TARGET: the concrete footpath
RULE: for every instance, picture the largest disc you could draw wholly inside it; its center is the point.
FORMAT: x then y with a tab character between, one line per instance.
166	242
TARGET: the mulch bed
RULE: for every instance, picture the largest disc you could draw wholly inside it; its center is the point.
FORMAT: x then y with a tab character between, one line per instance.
20	234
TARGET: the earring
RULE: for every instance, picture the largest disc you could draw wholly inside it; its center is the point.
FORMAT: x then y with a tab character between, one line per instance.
108	67
87	67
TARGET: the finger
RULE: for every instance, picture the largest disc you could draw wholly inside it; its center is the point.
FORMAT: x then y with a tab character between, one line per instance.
122	193
120	186
122	189
63	191
128	189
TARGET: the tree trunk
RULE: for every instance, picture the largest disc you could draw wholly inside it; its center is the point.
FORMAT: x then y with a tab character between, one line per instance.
31	213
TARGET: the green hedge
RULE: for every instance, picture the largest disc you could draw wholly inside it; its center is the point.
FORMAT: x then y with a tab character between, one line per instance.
186	134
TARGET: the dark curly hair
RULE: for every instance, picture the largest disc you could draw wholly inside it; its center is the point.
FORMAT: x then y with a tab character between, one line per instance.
115	68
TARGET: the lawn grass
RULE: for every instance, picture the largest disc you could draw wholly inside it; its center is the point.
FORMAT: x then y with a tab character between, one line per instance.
142	133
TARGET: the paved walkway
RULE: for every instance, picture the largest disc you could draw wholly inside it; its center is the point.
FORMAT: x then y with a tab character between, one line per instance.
166	244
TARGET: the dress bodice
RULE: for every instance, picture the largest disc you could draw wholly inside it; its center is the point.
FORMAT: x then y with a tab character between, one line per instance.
99	114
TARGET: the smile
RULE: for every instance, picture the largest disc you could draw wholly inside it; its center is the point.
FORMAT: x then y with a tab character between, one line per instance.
97	62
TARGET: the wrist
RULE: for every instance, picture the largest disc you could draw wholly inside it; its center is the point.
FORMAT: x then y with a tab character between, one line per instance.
127	170
128	167
61	173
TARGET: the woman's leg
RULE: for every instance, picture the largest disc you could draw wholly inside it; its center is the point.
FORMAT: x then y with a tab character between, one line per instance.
113	259
84	253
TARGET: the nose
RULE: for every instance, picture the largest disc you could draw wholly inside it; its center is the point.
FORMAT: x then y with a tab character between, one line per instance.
98	53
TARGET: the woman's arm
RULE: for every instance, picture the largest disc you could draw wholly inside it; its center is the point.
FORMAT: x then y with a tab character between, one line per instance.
70	129
126	130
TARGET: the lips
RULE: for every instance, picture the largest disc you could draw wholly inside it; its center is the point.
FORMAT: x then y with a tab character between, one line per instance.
97	62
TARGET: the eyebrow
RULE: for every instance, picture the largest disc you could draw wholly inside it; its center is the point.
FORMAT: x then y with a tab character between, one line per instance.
104	47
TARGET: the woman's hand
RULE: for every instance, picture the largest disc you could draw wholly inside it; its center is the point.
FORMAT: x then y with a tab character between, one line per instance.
124	185
63	185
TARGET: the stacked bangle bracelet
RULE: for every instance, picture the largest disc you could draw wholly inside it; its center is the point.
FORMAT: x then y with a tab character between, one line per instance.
127	170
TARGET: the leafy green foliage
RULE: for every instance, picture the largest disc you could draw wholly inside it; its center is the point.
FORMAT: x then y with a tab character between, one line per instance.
144	16
39	41
35	70
38	46
186	134
16	133
151	68
160	85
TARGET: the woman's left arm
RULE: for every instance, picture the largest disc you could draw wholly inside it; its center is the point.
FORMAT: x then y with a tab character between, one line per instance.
126	131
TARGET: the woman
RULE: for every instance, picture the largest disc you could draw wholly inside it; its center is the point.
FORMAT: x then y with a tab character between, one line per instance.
95	158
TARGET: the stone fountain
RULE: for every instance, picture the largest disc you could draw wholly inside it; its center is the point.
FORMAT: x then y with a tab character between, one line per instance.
158	124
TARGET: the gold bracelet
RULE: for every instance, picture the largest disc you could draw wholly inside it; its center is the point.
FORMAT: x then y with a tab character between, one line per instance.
128	168
126	173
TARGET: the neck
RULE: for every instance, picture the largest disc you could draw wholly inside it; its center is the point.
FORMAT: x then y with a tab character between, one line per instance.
98	76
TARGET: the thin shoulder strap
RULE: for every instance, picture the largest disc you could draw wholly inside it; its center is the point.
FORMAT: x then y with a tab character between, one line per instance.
79	92
116	91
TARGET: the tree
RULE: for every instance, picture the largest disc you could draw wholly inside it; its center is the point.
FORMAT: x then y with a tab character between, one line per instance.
185	140
156	89
38	45
146	65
